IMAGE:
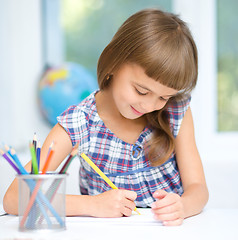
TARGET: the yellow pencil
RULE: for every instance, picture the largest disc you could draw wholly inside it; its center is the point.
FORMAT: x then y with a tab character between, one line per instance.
97	170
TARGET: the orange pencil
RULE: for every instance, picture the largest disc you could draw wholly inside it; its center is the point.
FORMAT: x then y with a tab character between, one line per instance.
48	158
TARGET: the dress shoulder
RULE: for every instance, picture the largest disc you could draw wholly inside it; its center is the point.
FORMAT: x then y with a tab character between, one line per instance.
75	119
175	111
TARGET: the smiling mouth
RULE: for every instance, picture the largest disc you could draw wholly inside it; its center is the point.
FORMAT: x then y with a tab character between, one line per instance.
136	112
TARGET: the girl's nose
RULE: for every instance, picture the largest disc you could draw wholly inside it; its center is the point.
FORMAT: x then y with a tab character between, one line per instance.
151	105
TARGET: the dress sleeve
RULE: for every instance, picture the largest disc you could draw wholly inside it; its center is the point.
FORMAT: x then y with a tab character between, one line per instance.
74	122
176	111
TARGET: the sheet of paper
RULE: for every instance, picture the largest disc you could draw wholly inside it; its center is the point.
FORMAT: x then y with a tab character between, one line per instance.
146	218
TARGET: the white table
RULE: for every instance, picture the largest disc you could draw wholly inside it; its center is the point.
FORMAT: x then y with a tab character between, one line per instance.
210	224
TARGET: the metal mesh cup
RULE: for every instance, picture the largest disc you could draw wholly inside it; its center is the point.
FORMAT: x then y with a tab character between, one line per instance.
41	201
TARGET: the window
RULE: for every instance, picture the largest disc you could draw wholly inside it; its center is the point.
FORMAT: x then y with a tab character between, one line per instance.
89	25
227	60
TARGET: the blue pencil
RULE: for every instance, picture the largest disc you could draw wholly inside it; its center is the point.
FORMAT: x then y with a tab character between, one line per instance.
38	151
17	161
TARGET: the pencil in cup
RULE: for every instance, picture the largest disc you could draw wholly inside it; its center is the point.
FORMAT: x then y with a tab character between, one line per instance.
36	188
34	170
34	161
35	193
56	184
20	170
100	173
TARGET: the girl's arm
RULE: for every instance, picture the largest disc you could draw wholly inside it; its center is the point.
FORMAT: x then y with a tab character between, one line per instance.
171	208
113	203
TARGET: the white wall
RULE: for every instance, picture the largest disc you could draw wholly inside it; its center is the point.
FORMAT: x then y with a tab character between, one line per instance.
201	18
20	68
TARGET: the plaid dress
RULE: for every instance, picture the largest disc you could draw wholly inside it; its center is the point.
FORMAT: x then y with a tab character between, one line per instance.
125	164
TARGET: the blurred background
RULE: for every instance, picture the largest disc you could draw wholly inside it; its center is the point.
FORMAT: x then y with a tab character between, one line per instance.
48	57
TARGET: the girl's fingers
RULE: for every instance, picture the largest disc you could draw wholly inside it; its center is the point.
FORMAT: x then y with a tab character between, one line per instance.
159	194
167	209
176	222
129	204
168	216
169	199
131	195
127	211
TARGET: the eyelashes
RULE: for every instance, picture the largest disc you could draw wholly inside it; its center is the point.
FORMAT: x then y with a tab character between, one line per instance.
144	94
163	99
140	93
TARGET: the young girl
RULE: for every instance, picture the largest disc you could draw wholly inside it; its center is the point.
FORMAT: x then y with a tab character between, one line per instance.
137	128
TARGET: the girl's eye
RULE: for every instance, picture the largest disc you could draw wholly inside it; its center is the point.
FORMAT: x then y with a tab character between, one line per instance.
140	93
163	99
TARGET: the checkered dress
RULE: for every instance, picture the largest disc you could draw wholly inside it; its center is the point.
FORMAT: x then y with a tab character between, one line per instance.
124	163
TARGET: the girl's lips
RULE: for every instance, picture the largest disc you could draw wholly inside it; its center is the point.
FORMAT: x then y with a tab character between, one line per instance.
136	112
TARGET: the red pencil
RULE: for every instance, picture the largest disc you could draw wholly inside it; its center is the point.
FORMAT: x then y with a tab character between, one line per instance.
69	160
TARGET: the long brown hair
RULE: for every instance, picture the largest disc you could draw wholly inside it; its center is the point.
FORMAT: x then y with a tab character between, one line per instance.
163	46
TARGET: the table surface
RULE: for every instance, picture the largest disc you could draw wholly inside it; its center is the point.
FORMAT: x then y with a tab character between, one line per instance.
210	224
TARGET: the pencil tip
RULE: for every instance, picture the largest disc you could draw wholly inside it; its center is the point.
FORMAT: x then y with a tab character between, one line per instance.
34	137
52	144
13	151
38	144
74	152
6	147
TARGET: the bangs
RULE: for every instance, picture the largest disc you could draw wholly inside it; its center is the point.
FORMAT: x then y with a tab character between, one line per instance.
171	61
160	43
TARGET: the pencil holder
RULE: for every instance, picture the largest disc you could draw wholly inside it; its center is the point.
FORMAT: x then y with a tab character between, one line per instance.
41	201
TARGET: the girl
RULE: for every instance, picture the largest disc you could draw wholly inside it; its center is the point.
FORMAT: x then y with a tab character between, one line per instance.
137	128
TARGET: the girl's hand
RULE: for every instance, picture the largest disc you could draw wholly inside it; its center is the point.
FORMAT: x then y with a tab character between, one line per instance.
114	203
168	208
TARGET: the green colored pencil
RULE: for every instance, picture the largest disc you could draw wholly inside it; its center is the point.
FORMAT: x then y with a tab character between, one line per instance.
34	161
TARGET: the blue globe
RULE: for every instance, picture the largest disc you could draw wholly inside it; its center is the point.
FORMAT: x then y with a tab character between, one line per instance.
62	87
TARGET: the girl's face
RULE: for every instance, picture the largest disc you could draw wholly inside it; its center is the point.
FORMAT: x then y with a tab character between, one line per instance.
136	94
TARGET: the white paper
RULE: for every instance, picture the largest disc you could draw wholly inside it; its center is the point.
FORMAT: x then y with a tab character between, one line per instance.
145	218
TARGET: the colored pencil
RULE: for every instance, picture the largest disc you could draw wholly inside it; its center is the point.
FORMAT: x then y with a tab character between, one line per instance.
17	161
48	159
33	160
100	173
31	202
34	170
69	160
38	152
55	185
34	142
10	161
8	150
